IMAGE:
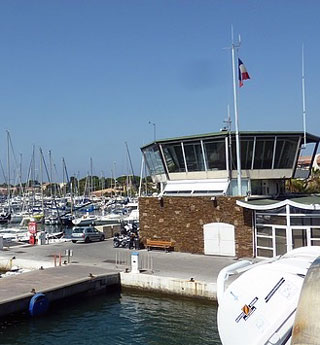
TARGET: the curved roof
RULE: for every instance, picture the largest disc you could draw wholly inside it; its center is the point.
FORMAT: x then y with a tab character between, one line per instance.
310	137
310	202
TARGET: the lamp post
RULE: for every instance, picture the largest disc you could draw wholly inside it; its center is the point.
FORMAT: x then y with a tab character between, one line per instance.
154	129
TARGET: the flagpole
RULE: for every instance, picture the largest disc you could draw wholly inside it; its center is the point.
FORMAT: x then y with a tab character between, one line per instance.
235	103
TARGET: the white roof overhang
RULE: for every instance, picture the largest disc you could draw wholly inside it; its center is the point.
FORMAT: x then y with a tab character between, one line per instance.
195	187
271	206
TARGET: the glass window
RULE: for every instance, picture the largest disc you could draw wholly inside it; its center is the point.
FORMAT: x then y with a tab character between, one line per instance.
268	219
299	238
266	253
315	243
153	160
301	211
264	242
174	157
194	157
215	152
263	153
246	153
304	221
175	192
264	230
315	233
278	210
285	152
281	241
256	187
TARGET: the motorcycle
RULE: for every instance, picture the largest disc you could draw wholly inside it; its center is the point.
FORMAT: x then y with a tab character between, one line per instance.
121	241
130	240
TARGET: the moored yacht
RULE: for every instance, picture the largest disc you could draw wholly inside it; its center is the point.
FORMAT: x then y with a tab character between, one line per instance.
258	308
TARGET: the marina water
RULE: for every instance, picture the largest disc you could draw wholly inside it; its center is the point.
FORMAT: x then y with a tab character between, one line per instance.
119	318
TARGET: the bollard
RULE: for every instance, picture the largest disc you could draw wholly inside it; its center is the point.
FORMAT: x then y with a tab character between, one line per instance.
135	262
55	260
1	243
10	262
41	238
69	253
59	259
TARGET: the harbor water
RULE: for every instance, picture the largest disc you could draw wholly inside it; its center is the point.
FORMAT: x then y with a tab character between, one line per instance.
117	318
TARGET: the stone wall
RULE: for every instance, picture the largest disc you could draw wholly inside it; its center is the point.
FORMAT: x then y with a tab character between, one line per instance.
181	219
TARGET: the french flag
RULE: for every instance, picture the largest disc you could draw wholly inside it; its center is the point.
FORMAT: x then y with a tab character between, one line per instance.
243	74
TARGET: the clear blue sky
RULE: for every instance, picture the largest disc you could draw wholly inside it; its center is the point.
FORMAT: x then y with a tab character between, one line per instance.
80	78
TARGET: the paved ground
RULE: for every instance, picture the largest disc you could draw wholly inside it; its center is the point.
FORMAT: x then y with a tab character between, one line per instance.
56	283
42	280
102	254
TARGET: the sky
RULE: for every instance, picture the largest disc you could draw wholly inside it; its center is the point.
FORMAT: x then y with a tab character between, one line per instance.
82	78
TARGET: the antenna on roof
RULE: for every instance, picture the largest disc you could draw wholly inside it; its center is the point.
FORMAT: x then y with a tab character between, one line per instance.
227	122
303	104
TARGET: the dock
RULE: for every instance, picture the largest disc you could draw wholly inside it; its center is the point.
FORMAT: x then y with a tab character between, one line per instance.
181	274
56	283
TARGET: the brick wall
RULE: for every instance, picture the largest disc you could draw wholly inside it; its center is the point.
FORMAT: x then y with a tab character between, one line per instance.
181	219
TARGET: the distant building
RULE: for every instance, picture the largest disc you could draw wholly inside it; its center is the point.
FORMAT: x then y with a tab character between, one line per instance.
304	162
199	207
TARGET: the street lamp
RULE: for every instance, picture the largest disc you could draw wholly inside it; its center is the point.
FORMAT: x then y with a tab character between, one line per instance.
154	129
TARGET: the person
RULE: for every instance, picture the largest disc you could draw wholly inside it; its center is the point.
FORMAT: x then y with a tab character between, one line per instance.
131	242
136	242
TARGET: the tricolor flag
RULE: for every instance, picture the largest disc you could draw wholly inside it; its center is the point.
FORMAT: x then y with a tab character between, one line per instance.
243	74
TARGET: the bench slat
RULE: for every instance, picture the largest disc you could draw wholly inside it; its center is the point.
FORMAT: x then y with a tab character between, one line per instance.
160	244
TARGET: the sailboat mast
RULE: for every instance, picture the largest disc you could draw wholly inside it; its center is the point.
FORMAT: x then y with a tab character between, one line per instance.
20	174
115	179
91	189
63	179
33	174
111	182
8	162
131	166
303	103
41	183
50	165
141	173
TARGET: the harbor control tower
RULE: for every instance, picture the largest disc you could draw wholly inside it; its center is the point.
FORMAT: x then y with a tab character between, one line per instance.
200	209
206	164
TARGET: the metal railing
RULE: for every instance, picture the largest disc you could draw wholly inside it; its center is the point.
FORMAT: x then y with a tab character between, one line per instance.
123	261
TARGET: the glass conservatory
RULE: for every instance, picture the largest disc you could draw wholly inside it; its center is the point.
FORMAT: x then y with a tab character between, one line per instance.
283	225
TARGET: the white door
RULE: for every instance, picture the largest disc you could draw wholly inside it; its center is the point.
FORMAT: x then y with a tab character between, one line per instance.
219	239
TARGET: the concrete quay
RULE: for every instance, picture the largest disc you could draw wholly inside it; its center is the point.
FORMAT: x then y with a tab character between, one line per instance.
183	274
56	283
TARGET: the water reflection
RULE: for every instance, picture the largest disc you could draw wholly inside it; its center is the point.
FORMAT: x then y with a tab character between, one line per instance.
129	318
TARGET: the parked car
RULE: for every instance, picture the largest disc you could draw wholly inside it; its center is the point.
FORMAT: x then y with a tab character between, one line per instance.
86	234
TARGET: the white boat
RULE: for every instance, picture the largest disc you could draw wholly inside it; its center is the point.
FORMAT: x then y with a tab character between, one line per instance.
258	308
87	219
15	234
110	218
16	217
133	216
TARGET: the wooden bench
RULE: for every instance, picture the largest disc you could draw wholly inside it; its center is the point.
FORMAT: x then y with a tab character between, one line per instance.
166	245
